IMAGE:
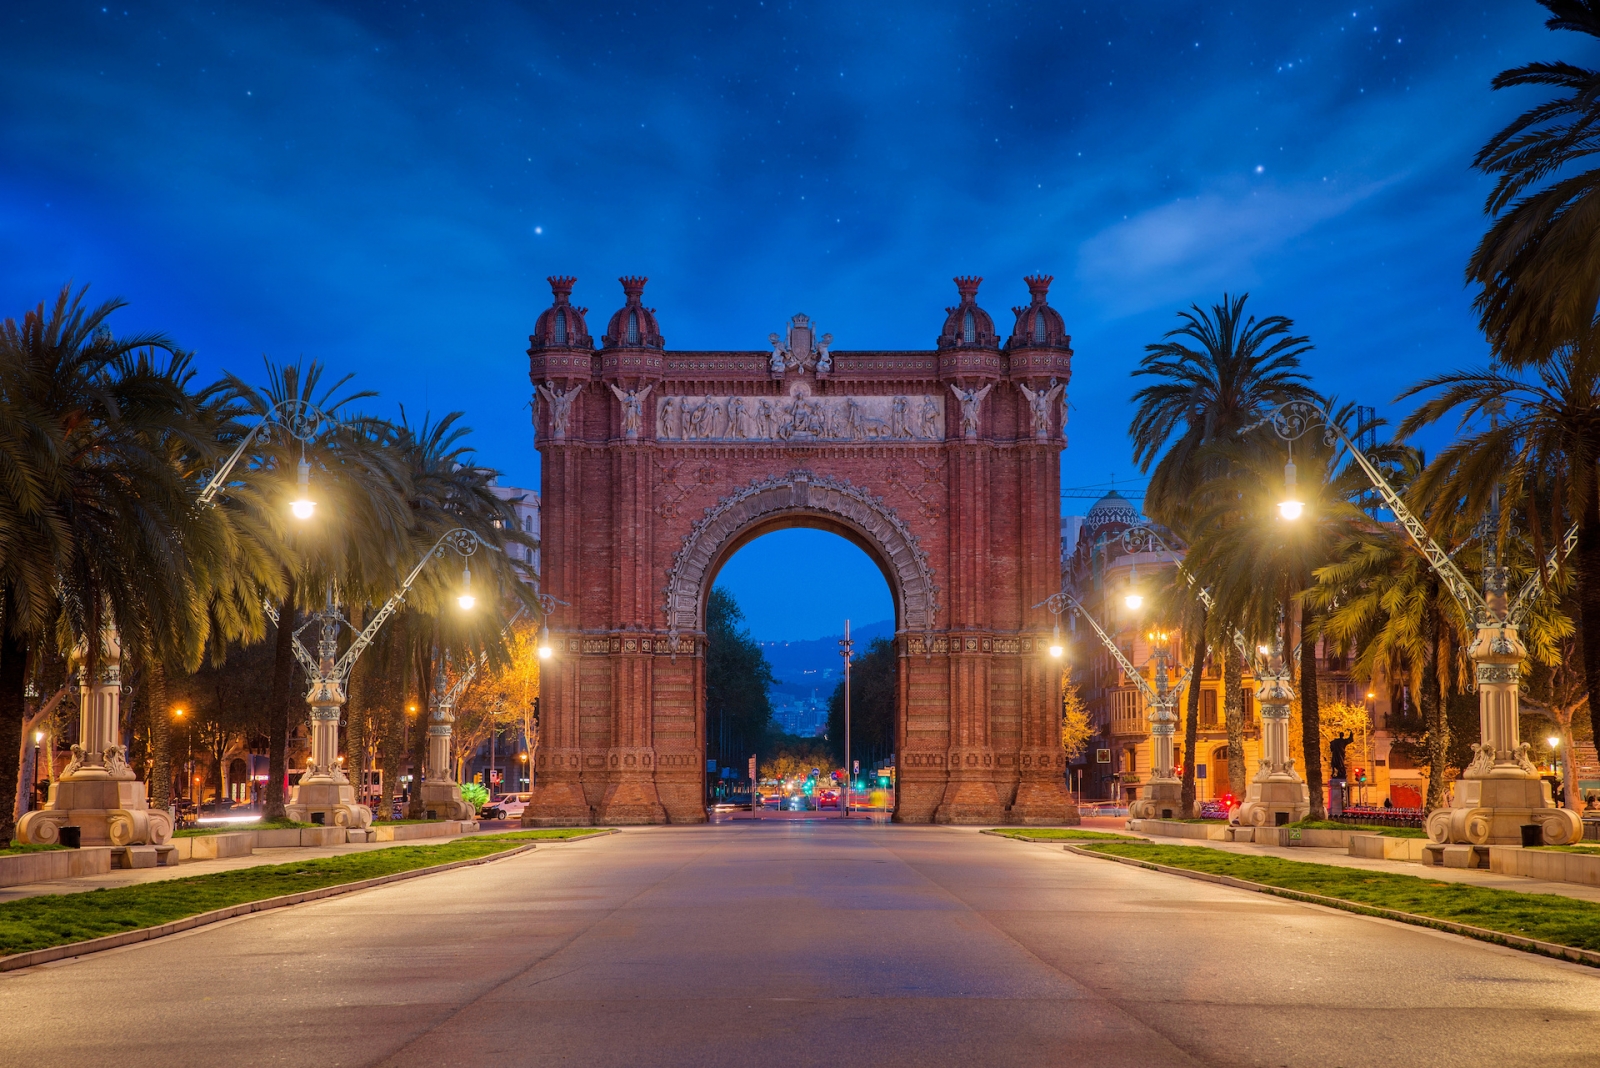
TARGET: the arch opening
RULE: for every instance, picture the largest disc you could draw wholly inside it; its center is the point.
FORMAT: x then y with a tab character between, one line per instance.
791	578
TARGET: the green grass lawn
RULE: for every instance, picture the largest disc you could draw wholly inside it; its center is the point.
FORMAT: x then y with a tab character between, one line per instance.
56	919
1364	828
20	847
1548	917
234	828
1069	833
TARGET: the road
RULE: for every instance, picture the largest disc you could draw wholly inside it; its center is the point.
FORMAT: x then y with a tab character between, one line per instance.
799	944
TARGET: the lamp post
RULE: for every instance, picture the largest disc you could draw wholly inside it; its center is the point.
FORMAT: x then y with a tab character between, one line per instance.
1501	790
324	793
1165	795
846	647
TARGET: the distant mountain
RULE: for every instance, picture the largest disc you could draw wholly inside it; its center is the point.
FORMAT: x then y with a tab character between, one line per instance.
802	666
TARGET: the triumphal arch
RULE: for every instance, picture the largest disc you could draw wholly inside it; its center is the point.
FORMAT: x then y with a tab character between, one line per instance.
942	464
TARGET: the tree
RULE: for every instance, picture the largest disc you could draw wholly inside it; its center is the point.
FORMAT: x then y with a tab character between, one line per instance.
1076	726
872	706
738	677
1531	447
222	702
97	528
1217	374
1538	266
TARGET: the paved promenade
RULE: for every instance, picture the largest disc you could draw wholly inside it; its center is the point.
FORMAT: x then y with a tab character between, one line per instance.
799	944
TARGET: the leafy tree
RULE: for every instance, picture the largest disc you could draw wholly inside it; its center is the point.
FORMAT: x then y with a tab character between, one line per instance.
1076	726
222	703
1538	265
872	706
738	678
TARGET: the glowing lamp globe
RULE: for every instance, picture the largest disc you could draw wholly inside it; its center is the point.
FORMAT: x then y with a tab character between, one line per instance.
466	601
1134	600
1290	510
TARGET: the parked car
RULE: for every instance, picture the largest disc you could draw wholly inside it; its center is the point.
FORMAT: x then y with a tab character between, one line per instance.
505	807
828	799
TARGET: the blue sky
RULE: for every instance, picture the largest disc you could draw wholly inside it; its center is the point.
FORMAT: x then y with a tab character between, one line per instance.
385	186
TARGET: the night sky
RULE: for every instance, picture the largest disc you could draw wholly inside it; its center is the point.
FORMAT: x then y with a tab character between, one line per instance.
384	187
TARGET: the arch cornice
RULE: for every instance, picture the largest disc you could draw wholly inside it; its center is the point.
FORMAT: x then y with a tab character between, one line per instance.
801	492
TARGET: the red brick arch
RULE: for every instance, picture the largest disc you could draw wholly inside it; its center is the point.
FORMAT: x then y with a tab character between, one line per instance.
943	465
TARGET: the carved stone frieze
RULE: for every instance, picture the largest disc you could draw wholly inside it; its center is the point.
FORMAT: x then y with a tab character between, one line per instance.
799	418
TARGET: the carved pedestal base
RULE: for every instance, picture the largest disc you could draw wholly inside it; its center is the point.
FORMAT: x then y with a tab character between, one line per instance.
442	800
629	803
1163	800
1042	801
107	811
1492	811
327	800
557	802
1273	800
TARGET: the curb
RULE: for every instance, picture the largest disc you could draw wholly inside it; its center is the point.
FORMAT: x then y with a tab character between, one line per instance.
1482	934
1056	841
144	934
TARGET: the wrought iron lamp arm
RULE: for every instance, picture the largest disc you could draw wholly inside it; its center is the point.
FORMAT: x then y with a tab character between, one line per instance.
1295	419
1060	602
300	418
1534	588
1130	540
482	659
461	539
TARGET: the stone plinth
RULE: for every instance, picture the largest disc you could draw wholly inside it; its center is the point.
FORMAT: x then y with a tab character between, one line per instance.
442	799
331	800
1163	800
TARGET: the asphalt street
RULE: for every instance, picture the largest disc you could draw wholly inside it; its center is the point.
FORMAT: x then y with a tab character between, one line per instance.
793	944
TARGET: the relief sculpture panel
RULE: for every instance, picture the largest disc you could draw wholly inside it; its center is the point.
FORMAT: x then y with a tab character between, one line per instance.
800	418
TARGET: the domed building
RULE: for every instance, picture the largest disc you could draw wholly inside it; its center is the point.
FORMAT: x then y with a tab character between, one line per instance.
562	325
1038	325
633	326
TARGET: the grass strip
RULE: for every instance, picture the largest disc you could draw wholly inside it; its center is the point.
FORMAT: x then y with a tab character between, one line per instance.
235	828
1056	834
26	847
1563	921
57	919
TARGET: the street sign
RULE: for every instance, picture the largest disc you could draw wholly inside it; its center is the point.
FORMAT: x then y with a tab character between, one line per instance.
711	766
1102	756
856	766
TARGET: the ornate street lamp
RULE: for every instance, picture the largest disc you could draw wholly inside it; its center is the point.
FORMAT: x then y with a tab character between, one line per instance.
1500	790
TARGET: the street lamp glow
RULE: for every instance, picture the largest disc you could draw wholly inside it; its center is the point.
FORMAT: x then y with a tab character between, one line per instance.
1554	741
545	651
303	506
1133	599
1057	650
466	600
1290	507
38	737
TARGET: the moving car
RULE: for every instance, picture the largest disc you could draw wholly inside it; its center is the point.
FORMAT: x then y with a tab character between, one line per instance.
505	807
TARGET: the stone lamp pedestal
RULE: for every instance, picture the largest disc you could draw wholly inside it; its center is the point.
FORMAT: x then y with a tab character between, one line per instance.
1277	795
324	794
1163	798
441	794
1501	791
98	793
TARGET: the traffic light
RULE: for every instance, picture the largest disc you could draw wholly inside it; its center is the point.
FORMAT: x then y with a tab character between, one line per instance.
1360	775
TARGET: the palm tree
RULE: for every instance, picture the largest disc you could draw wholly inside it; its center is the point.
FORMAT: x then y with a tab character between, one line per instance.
1538	265
1260	566
1537	441
95	521
447	489
1384	600
1218	373
356	537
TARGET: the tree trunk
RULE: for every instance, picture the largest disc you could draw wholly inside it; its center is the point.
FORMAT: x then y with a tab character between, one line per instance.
396	641
278	716
1569	764
1191	721
1587	591
1233	694
1310	712
155	695
423	662
13	692
1435	715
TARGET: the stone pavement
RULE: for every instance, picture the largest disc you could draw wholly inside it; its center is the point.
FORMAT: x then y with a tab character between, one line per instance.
804	944
1341	859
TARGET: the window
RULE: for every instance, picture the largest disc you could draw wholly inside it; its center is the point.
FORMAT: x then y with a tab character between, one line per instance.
969	331
1038	328
1208	709
633	328
561	326
1247	708
1125	709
